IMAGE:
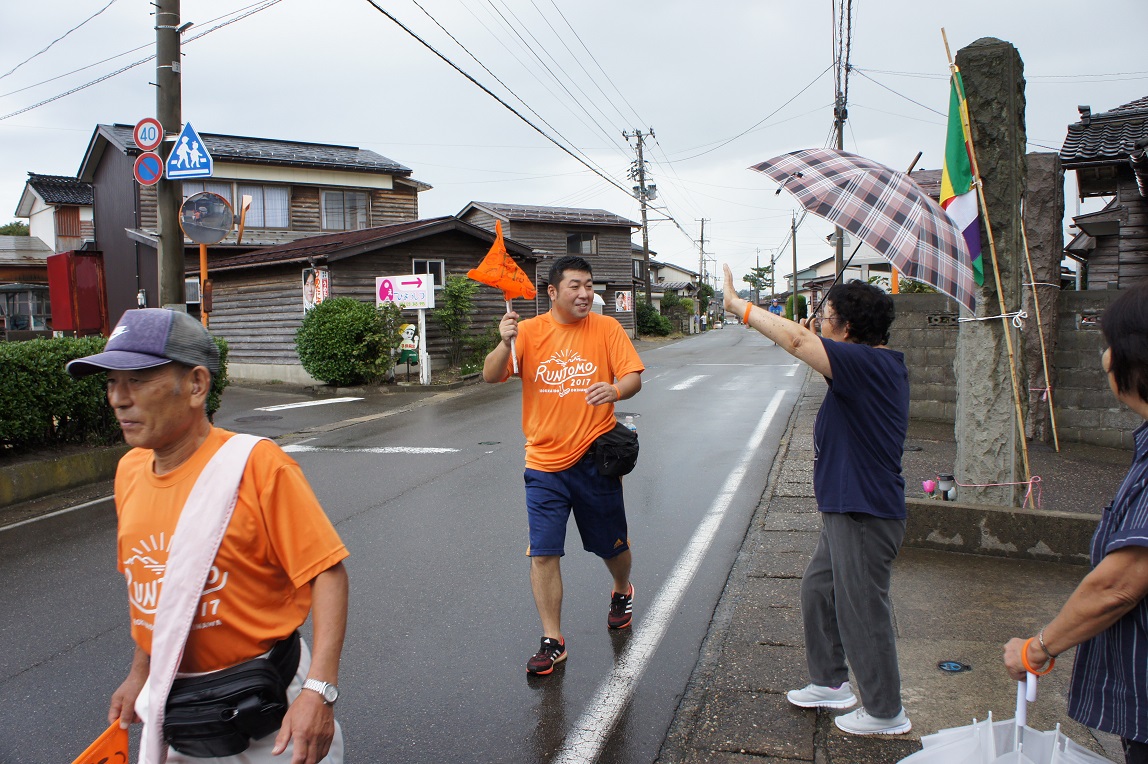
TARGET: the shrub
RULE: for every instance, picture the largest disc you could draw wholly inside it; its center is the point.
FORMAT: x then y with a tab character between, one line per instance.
346	342
218	381
479	346
650	321
454	314
802	310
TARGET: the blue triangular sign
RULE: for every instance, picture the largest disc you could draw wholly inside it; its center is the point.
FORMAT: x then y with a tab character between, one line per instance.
189	157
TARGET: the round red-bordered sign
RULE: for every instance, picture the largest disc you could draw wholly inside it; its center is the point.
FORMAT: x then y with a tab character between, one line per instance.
148	168
148	134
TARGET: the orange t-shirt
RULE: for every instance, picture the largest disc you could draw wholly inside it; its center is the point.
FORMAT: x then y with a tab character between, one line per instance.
259	588
558	363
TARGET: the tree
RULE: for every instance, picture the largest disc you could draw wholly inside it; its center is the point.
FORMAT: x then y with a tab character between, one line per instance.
705	294
650	321
454	314
346	342
761	279
914	287
15	228
802	311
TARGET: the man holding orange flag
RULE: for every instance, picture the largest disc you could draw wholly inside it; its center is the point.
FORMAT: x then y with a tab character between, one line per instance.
575	365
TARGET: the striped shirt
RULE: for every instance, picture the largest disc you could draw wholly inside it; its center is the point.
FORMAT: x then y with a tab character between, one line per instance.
1110	676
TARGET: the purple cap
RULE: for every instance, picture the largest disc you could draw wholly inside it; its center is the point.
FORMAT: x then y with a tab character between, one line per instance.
151	337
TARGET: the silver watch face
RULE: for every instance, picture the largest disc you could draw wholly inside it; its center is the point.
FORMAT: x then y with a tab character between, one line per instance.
330	693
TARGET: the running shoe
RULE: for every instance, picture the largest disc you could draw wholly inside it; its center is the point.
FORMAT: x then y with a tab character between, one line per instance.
621	610
550	654
859	722
817	696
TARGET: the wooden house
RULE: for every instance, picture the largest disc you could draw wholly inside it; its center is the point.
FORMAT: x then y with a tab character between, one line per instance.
1108	153
258	296
59	211
298	190
602	237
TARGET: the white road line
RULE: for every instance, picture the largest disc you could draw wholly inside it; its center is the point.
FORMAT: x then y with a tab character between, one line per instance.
587	738
296	449
689	382
792	370
304	404
57	513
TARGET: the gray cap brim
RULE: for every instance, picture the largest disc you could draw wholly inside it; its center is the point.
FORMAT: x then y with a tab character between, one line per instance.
113	360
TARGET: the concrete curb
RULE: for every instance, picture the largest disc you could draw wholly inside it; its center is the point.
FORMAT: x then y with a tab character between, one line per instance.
31	480
1031	534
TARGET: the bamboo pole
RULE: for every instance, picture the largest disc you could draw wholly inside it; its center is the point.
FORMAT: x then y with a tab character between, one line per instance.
1040	332
996	267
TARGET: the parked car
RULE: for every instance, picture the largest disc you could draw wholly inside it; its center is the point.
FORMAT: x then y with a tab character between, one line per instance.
717	324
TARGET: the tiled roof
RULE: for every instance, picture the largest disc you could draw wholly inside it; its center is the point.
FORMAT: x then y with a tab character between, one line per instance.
325	247
267	151
526	213
61	189
1106	137
929	181
675	285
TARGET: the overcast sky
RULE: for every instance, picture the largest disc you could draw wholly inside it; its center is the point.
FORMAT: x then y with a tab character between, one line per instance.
698	73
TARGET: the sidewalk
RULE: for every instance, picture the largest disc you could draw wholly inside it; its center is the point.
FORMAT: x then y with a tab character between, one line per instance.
947	607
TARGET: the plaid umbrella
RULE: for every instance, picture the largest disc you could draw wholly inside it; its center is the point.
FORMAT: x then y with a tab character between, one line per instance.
883	208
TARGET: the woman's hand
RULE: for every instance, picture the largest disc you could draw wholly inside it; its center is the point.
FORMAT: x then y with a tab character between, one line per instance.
1037	658
729	294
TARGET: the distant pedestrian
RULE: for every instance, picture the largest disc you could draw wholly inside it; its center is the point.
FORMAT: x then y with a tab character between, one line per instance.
775	307
575	366
1107	615
280	559
858	440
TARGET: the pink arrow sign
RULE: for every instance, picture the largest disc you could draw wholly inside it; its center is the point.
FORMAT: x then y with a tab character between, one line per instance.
416	282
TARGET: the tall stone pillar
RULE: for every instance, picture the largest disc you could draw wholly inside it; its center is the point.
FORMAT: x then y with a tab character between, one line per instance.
988	441
1043	222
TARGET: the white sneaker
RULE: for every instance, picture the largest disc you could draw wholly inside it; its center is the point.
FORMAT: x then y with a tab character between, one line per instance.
859	722
816	696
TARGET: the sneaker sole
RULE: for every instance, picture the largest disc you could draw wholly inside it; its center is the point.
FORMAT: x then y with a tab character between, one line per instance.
900	729
550	670
825	703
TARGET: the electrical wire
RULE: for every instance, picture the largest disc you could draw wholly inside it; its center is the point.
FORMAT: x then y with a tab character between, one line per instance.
600	173
902	95
120	55
262	7
53	42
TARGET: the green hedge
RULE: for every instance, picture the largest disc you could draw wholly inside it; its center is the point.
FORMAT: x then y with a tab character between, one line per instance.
43	406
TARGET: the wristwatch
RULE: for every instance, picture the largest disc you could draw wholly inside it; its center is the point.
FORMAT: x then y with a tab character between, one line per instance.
328	691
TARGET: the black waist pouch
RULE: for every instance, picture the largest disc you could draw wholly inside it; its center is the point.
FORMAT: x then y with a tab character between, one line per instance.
220	713
616	452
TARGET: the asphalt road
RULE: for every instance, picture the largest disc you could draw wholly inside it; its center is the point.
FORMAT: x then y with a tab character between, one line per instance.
429	501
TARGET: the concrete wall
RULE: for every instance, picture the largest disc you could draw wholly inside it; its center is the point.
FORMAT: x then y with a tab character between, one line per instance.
926	332
1086	412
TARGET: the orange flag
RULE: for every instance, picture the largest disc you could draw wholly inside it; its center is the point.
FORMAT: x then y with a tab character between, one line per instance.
109	748
499	270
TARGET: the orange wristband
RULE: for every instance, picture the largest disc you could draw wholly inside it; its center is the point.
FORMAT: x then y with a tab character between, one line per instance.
745	318
1028	666
617	391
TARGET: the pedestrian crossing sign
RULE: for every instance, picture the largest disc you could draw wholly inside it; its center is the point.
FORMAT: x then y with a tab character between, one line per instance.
189	157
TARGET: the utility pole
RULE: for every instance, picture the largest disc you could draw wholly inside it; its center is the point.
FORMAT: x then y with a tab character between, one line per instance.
644	195
169	253
793	241
843	37
757	272
839	115
702	252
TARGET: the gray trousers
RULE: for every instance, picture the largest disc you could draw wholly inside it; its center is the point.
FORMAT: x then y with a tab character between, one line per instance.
846	611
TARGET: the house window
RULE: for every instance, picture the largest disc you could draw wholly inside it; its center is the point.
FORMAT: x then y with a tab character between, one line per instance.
436	268
638	269
581	243
344	210
270	205
192	187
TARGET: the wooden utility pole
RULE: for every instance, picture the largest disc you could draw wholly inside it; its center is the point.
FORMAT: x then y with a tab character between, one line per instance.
638	173
169	253
793	242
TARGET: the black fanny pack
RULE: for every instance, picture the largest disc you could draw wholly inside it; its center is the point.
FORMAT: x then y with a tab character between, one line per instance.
616	452
220	713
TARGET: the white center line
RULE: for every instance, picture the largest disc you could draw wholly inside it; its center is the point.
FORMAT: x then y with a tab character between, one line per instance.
304	404
689	382
588	737
792	370
298	449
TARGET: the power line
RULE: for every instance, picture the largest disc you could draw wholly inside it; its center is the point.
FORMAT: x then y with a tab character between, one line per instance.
53	42
759	122
902	95
496	97
121	70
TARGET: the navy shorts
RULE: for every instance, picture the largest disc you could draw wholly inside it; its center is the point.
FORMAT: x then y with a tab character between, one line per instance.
595	500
